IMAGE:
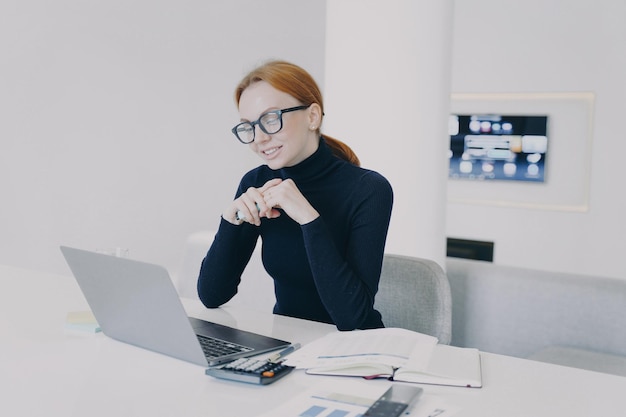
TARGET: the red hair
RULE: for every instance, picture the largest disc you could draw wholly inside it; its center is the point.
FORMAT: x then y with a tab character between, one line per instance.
298	83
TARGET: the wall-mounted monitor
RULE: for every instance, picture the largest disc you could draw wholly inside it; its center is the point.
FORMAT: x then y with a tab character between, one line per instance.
486	147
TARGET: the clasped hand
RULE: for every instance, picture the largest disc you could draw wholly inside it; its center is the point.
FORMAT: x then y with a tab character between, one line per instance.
265	201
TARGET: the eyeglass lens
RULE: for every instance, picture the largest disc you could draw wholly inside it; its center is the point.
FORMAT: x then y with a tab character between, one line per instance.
270	123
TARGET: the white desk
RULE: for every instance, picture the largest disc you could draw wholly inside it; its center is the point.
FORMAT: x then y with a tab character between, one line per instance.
46	370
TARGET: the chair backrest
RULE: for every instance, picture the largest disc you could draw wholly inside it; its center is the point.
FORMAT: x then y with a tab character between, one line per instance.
414	294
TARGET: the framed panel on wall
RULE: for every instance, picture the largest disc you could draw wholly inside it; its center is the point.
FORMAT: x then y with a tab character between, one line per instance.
521	150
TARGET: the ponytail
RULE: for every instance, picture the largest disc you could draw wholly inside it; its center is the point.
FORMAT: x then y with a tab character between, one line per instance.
341	150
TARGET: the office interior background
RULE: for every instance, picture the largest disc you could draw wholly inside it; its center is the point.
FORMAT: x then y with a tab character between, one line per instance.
115	122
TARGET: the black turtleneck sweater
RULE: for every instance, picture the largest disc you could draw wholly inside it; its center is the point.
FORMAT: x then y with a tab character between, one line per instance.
326	270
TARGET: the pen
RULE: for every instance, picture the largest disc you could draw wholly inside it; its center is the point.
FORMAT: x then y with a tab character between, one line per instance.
277	356
240	216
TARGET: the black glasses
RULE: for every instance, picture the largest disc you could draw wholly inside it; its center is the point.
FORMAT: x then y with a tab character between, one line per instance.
270	122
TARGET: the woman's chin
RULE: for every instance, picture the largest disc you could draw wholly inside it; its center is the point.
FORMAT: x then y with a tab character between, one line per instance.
274	165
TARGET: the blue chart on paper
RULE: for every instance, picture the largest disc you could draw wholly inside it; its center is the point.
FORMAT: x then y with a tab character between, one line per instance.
319	411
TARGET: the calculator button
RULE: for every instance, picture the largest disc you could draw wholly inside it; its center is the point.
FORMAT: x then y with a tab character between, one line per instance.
250	370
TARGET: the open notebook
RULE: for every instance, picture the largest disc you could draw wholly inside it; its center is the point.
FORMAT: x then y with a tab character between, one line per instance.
397	354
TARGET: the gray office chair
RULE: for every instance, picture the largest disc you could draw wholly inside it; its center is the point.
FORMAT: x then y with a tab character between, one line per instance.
414	294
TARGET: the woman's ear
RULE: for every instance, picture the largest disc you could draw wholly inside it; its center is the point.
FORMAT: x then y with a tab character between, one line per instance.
315	116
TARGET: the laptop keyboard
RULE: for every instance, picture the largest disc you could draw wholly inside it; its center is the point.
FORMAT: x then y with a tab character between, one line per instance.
215	348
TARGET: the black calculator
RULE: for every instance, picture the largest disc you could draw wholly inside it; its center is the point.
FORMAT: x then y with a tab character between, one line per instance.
395	401
253	371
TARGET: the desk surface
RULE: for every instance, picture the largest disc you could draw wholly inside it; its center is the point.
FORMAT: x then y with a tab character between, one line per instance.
46	370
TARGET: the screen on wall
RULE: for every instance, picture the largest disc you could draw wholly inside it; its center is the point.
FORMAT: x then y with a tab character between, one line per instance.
487	147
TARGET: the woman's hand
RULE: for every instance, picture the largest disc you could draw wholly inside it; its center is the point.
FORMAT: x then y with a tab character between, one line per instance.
250	206
256	203
286	196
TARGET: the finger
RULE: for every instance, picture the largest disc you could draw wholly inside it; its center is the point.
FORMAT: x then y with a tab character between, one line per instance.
271	199
273	213
269	184
249	210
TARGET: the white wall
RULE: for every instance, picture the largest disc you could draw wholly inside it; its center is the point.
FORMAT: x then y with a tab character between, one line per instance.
529	46
389	103
115	118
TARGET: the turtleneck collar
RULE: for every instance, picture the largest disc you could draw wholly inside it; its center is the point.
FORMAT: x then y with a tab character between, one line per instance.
312	167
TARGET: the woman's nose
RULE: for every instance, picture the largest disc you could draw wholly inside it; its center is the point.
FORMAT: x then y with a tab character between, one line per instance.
260	135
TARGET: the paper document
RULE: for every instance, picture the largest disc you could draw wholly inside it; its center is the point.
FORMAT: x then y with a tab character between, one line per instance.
351	398
389	346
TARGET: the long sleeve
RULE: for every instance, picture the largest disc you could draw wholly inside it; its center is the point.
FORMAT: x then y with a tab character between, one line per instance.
221	269
347	279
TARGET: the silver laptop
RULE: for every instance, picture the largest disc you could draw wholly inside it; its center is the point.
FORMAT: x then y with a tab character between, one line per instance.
136	303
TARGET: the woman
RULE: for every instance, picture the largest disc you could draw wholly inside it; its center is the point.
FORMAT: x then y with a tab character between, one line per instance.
322	219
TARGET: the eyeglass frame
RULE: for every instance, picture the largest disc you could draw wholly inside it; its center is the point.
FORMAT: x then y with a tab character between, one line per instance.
257	122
